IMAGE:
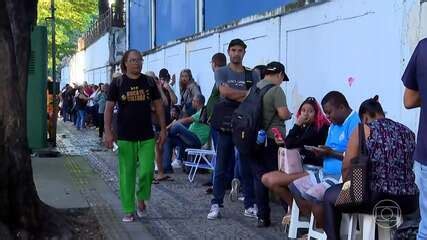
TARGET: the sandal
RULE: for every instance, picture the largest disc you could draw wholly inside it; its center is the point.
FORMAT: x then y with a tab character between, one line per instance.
140	210
164	178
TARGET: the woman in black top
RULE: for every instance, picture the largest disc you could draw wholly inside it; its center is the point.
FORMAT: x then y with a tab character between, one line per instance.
311	128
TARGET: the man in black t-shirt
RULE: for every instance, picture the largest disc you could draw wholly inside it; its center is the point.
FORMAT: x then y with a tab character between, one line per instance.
134	93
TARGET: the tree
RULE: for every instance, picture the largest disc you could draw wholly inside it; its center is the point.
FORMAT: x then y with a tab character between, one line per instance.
22	214
102	7
73	18
118	16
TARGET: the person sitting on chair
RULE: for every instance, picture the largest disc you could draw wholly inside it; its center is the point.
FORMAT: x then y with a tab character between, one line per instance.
195	136
311	128
390	147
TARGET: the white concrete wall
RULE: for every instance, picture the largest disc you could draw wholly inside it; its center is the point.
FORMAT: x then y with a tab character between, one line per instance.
96	68
89	65
358	47
77	65
350	47
199	54
65	76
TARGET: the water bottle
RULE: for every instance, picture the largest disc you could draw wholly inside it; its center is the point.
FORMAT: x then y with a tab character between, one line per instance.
260	139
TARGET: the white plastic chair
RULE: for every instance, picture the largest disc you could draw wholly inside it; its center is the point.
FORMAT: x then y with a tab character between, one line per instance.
368	226
295	222
199	158
315	233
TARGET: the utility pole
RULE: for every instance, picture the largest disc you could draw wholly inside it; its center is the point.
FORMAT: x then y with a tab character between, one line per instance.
54	93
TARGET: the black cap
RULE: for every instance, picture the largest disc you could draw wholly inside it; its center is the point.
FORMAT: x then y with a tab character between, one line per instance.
164	73
237	41
276	67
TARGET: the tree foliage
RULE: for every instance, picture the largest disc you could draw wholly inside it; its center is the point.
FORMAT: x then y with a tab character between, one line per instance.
72	19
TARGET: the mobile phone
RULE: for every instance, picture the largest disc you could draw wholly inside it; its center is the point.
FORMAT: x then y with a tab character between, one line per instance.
277	135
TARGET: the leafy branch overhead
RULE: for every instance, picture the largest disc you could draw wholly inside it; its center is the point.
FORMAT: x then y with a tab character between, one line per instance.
73	18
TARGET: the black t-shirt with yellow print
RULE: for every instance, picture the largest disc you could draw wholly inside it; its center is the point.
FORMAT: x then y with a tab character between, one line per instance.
134	97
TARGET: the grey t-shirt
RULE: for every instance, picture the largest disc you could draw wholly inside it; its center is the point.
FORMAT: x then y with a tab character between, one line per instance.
235	80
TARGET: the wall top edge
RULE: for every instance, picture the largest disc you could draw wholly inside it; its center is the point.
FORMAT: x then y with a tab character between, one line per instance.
281	11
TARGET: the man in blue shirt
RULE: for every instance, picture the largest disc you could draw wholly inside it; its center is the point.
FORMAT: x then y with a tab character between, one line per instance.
415	81
343	120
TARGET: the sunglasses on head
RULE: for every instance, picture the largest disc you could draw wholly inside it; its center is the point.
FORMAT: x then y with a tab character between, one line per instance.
311	99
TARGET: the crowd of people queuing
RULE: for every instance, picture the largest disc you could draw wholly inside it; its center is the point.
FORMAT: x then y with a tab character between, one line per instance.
84	105
307	164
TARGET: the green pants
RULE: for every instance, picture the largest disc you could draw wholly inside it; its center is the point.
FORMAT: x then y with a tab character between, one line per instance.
129	153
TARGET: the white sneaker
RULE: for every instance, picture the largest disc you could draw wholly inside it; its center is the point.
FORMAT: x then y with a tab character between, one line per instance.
176	163
242	199
251	212
234	193
214	212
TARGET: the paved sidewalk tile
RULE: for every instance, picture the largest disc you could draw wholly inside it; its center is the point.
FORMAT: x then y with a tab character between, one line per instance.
177	209
55	184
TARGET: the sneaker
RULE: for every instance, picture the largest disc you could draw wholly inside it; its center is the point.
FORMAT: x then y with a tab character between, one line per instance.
128	218
176	163
234	193
214	212
251	212
242	199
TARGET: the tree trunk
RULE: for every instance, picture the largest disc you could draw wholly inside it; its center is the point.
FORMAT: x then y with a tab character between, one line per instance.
22	214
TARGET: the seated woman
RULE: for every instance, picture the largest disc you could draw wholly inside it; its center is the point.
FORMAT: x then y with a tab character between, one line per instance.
390	146
311	128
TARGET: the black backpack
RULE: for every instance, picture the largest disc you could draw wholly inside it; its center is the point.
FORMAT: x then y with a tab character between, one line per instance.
247	119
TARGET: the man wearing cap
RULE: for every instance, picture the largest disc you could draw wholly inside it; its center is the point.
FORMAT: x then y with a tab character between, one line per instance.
233	82
274	114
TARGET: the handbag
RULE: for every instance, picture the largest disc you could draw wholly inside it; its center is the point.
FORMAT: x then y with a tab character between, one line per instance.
289	161
355	191
222	115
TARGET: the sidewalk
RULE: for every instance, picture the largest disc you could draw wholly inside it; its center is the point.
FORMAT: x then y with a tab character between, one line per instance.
177	209
69	182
